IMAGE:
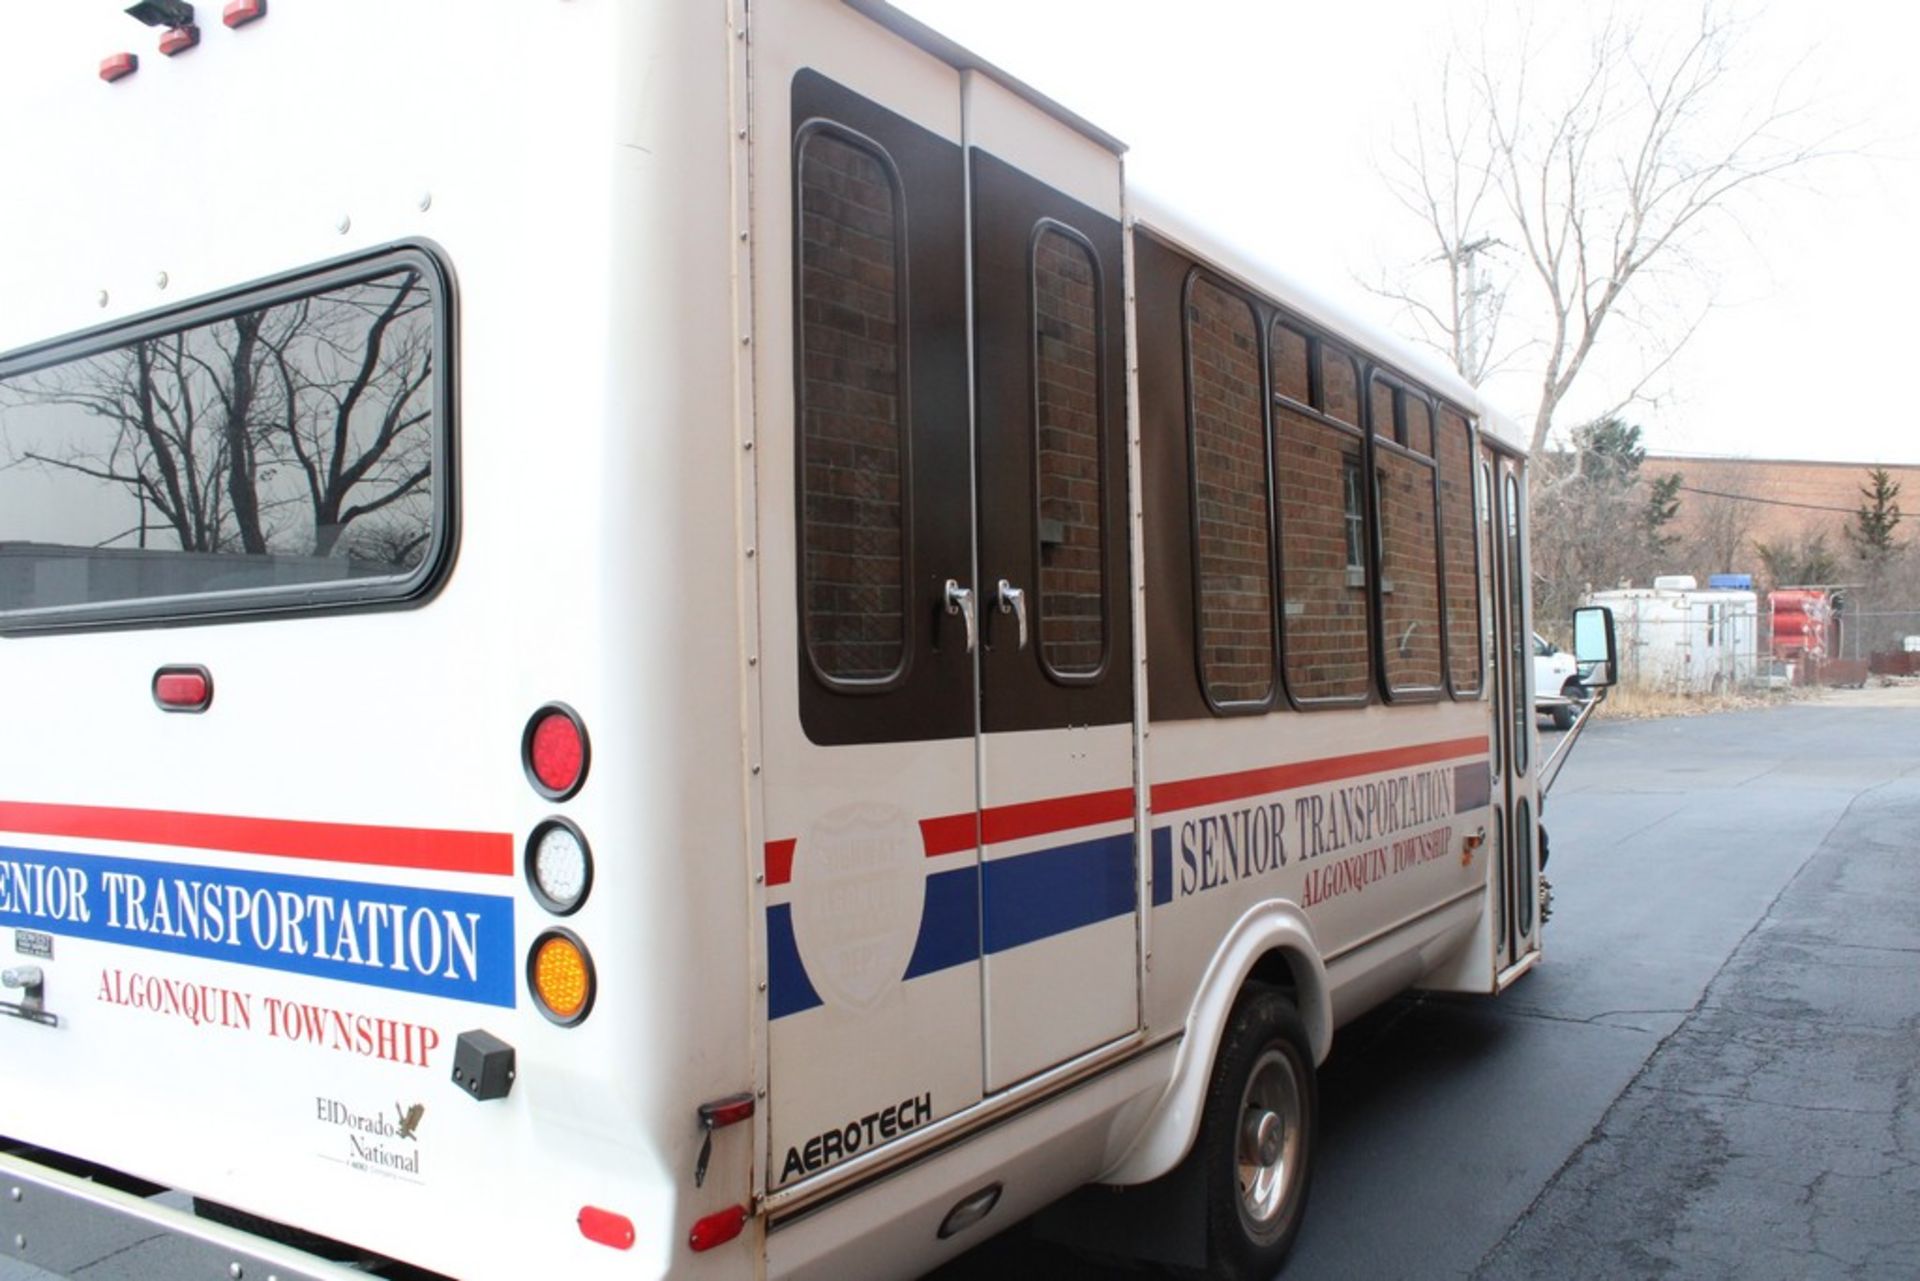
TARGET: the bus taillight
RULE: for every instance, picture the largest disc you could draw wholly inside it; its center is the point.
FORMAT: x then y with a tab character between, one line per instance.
554	751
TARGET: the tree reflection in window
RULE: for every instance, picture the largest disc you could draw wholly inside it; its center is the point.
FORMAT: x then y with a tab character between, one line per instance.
290	444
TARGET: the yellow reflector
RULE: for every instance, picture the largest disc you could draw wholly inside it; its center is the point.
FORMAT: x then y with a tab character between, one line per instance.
562	977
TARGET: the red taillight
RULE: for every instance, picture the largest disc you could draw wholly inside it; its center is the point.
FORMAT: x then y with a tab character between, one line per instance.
241	12
604	1227
183	689
554	751
717	1229
119	66
176	39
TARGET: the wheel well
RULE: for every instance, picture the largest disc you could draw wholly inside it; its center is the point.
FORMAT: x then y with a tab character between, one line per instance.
1275	970
1286	971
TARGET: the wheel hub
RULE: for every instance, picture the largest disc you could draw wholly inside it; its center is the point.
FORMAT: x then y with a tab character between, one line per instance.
1268	1152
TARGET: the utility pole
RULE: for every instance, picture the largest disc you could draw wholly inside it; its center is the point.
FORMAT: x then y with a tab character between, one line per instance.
1471	293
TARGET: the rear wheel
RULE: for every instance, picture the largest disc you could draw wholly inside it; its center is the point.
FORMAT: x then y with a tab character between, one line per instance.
1254	1153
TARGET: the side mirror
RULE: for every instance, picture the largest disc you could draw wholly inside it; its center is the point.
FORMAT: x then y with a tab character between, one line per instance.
1593	646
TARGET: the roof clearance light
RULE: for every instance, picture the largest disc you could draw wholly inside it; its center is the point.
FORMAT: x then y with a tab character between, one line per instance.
717	1229
604	1227
560	974
554	750
118	67
559	866
179	39
241	12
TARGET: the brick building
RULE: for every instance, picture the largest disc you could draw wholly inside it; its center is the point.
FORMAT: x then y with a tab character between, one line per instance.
1727	505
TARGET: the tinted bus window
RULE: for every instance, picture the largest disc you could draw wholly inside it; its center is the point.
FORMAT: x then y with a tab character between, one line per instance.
281	450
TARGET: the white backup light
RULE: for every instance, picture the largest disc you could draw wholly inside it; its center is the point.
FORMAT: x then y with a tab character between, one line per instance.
559	866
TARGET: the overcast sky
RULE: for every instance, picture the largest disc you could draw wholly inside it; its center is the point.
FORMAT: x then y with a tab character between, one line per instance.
1268	119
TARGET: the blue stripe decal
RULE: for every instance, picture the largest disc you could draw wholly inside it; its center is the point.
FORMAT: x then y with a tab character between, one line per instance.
1162	866
1049	892
435	942
1029	897
1472	786
789	990
949	923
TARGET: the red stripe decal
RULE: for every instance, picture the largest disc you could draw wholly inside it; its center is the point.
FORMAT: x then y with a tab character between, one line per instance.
490	853
780	861
949	835
1191	792
953	833
1058	814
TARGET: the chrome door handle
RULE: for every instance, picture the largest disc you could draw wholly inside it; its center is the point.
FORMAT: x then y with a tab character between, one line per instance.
960	601
1014	601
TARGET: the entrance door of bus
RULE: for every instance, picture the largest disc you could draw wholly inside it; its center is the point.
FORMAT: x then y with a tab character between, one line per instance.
1514	818
939	679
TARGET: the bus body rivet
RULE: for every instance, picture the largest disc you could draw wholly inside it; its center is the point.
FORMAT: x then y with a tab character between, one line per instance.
343	227
426	201
747	446
101	298
749	553
753	660
160	280
756	769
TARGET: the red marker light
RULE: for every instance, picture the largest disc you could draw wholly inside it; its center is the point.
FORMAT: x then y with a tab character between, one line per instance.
118	67
241	12
554	751
179	39
604	1227
717	1229
183	689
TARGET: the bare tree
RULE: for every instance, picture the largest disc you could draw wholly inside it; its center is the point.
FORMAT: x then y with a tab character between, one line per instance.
268	431
1719	528
1593	183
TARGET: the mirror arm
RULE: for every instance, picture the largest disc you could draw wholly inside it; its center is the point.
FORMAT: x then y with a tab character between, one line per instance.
1551	770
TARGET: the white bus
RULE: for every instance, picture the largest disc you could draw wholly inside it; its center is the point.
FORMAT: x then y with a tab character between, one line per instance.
677	639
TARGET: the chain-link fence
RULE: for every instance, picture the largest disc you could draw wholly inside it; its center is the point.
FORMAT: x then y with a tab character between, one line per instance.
1696	643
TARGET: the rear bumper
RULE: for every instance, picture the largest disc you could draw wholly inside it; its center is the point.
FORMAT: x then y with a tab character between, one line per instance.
63	1223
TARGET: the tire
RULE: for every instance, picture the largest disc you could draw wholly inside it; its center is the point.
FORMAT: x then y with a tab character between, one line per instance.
1254	1153
1565	715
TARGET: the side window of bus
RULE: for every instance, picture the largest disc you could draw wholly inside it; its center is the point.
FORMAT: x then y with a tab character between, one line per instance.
1318	466
284	449
1459	565
1072	475
1233	561
1409	554
852	440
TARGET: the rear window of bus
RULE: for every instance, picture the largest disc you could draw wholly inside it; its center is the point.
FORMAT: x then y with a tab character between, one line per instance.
282	447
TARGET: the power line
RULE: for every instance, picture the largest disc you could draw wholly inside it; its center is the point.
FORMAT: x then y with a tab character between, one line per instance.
1769	502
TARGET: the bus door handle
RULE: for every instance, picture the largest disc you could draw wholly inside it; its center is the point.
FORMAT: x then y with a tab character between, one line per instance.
960	601
1014	601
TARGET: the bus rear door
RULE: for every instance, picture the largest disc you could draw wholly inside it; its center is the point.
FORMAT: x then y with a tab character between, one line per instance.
939	680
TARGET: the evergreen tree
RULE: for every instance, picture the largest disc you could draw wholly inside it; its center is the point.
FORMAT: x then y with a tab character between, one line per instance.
1871	530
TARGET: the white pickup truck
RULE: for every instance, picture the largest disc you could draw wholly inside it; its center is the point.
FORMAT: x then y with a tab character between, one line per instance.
1557	689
